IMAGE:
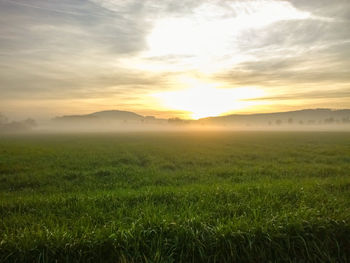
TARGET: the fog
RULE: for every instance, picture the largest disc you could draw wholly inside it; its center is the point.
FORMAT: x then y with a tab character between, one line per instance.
121	121
193	126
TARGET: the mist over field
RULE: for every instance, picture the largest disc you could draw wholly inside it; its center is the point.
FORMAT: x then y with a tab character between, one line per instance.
114	120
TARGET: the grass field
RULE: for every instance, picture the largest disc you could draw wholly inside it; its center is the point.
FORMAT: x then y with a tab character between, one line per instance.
175	197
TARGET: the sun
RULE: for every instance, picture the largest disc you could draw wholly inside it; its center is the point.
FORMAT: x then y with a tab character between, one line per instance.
205	99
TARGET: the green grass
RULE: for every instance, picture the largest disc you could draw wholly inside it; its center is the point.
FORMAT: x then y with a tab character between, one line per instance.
175	197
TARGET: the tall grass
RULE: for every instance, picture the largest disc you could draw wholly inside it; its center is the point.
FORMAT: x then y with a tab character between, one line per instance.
175	197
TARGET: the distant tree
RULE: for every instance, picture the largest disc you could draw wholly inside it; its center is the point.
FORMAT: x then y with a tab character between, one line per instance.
345	120
301	122
329	120
290	120
175	121
149	119
3	119
278	122
17	126
30	123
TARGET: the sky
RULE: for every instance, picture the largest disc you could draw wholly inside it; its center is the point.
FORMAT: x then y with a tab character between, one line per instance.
187	59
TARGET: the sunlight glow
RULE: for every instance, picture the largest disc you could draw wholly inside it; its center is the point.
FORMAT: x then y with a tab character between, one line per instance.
212	33
208	40
204	100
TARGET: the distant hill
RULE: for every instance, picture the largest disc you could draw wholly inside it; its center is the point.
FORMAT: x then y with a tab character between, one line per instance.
116	115
300	117
110	115
307	116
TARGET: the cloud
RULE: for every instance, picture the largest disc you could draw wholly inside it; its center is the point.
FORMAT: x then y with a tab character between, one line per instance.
328	65
314	95
128	49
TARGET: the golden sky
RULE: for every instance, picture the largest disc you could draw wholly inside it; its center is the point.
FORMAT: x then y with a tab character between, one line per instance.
188	59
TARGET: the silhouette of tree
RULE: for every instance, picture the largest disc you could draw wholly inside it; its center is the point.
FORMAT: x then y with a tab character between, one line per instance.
175	121
329	120
30	123
3	119
345	120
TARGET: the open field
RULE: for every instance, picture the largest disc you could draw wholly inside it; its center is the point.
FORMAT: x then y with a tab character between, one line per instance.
175	197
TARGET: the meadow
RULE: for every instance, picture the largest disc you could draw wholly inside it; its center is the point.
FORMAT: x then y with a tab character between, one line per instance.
175	197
